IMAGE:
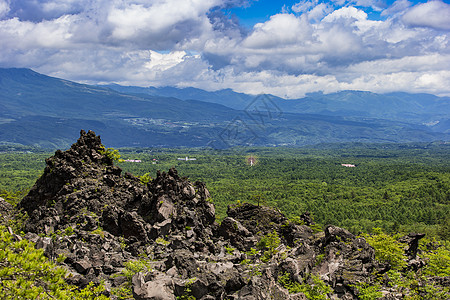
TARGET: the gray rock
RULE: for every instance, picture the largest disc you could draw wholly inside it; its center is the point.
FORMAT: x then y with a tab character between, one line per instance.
151	290
82	189
110	218
165	208
198	288
82	266
234	231
5	209
132	225
160	229
47	245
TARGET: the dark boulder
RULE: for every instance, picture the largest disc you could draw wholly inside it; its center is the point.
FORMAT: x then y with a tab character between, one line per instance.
161	240
412	240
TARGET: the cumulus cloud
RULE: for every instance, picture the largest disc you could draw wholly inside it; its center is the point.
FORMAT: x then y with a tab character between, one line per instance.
319	11
397	7
304	6
4	8
346	13
163	62
314	10
433	14
281	29
33	10
160	25
311	46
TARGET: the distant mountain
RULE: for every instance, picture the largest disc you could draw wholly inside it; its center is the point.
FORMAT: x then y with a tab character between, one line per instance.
49	112
225	97
24	92
414	108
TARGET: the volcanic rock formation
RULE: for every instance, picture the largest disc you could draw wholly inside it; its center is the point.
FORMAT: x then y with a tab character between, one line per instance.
104	221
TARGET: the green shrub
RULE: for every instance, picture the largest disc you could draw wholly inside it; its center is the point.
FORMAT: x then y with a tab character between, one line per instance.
162	241
297	220
438	261
17	223
27	274
292	286
229	250
414	285
368	291
319	259
99	231
252	252
387	248
316	291
132	267
187	295
270	241
135	266
69	230
146	178
13	198
112	153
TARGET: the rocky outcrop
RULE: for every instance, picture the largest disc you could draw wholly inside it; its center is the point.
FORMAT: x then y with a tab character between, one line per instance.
160	240
5	209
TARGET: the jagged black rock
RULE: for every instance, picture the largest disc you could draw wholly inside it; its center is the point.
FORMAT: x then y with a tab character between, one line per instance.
100	218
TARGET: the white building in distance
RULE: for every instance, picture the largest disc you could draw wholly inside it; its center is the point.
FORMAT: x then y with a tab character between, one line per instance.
186	158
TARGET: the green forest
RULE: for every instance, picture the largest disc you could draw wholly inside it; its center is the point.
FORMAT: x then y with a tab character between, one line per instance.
378	191
396	187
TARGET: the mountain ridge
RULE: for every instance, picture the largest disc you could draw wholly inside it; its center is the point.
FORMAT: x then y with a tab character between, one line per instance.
408	107
46	111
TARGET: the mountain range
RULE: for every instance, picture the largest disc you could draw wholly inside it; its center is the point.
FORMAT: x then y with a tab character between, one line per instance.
49	112
414	108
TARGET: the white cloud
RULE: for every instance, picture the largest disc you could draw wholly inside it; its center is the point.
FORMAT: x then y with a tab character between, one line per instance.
376	5
423	63
160	25
62	7
339	2
346	13
33	10
4	8
281	30
315	10
304	6
414	82
317	47
398	6
26	35
166	22
433	14
163	62
319	11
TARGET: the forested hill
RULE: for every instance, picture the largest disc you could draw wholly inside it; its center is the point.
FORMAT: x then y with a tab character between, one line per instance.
45	111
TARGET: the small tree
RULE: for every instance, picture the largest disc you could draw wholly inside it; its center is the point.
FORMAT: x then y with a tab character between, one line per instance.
25	273
387	248
270	241
111	153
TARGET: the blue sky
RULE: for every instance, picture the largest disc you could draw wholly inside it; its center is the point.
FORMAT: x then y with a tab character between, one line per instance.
286	48
262	10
